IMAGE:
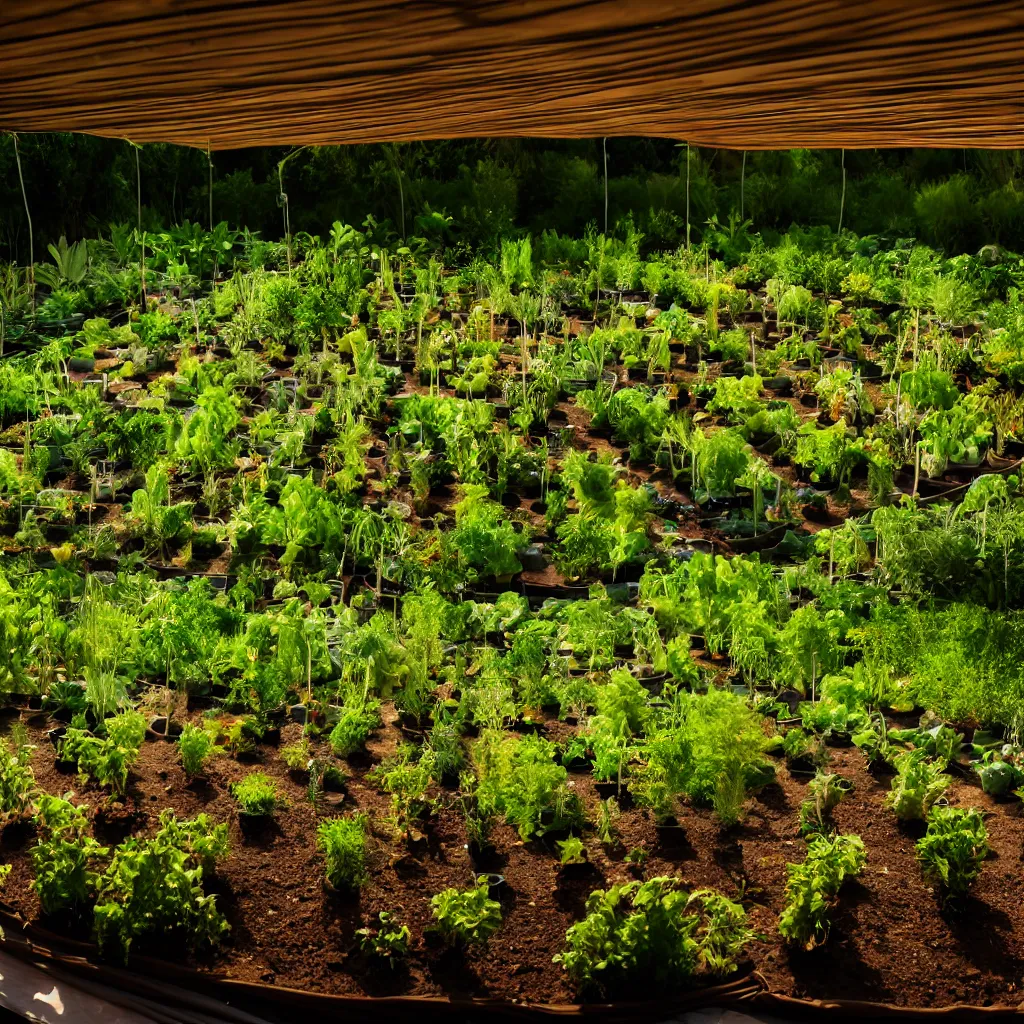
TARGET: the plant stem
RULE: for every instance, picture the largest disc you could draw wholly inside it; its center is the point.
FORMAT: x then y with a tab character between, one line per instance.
604	147
842	195
141	235
743	182
687	197
28	214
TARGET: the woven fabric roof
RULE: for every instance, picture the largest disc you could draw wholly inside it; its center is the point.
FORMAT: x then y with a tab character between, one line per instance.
754	75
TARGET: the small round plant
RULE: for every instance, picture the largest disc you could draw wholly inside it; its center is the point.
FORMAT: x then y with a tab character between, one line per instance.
257	795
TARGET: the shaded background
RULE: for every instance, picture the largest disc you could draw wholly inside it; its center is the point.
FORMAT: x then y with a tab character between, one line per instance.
78	184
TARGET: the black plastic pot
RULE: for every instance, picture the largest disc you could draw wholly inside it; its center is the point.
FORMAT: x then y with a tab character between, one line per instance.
533	559
160	729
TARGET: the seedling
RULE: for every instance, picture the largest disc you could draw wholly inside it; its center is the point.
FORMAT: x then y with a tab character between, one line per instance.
571	851
343	844
257	795
466	915
195	744
387	941
953	849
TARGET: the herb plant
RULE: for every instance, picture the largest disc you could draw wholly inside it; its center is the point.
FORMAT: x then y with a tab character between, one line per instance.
17	780
156	885
257	795
343	844
195	744
66	858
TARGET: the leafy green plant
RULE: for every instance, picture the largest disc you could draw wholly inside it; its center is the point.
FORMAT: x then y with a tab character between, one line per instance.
571	851
737	396
828	452
701	739
941	742
66	858
386	940
65	696
297	755
520	778
257	795
360	715
919	782
720	459
484	540
607	824
343	844
653	932
827	789
813	886
70	264
154	519
405	776
998	774
155	885
195	744
107	760
953	849
928	387
17	780
466	915
957	435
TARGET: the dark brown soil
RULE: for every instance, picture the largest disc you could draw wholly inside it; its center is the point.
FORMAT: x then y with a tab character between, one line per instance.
890	940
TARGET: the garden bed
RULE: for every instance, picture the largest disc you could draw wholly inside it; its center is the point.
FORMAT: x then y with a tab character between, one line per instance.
450	681
891	941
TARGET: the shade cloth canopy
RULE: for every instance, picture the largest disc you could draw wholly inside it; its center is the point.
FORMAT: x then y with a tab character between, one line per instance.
755	75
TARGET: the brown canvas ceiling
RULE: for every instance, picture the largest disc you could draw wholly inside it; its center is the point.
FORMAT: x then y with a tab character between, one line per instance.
770	74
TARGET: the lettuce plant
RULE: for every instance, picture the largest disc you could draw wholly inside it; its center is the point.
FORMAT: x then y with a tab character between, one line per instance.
483	539
653	932
953	849
466	915
812	887
919	782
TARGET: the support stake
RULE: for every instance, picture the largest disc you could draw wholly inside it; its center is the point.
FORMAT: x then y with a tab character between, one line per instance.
842	195
604	147
743	182
28	215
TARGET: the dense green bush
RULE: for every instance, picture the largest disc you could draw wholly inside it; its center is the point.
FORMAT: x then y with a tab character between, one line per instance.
156	885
